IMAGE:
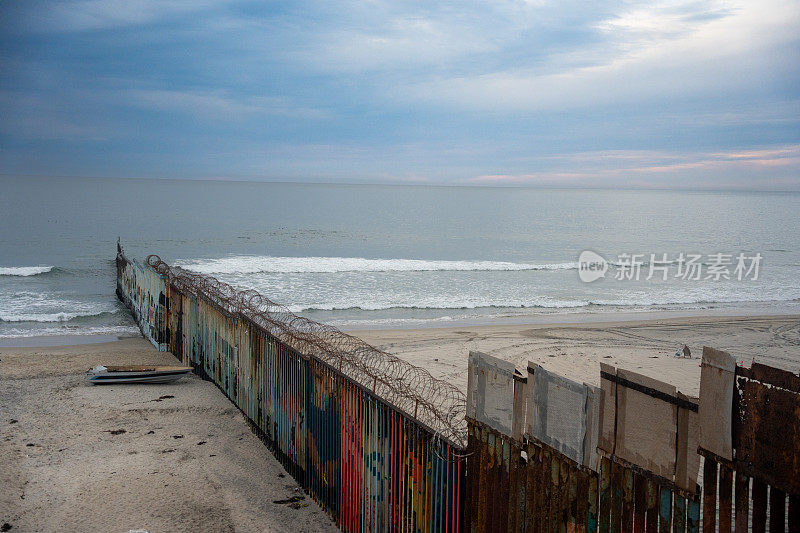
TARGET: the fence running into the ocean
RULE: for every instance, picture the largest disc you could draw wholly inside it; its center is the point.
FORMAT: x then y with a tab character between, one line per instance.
382	446
370	464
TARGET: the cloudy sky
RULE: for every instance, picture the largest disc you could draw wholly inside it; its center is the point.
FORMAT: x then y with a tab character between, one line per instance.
699	94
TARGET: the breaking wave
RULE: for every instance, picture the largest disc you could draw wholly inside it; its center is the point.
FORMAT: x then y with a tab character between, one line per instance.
267	264
55	317
25	271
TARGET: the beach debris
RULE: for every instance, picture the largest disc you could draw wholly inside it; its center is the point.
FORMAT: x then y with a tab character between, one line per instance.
298	505
164	397
30	444
684	352
109	375
177	436
6	527
116	431
168	450
151	432
201	443
281	475
13	421
292	499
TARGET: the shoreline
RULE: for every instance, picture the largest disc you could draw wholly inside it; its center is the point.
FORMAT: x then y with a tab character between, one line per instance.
42	341
522	319
402	318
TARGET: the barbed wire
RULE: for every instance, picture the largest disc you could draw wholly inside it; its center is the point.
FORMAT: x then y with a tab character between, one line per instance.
434	402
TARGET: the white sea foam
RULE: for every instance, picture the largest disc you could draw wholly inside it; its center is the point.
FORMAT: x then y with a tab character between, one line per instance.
24	271
62	316
65	330
29	306
267	264
366	300
373	305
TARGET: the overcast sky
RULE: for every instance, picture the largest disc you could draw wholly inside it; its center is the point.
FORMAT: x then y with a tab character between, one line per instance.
622	94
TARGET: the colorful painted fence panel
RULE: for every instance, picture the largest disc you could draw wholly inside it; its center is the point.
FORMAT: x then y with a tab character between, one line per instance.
371	466
146	293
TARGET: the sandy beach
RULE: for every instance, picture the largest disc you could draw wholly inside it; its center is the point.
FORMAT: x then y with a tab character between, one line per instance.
576	349
176	457
182	458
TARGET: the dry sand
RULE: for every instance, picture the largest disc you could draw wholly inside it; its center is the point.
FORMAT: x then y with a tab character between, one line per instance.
185	463
576	350
62	469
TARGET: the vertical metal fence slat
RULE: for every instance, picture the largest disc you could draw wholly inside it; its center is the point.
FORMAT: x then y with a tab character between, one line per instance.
604	519
709	495
679	514
627	501
640	503
693	516
777	510
794	513
617	489
725	499
651	518
665	509
592	517
759	506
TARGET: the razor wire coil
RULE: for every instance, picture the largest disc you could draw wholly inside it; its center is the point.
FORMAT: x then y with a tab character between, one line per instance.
434	402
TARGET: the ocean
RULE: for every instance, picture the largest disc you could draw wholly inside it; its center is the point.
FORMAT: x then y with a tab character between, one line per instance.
375	256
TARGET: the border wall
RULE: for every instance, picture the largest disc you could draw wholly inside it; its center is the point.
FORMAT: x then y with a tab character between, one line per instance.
550	454
146	294
381	445
370	464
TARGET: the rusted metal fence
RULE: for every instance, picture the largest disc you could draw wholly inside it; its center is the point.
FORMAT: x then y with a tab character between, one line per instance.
751	472
371	465
550	454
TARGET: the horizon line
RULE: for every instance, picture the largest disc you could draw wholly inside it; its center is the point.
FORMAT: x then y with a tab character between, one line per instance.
408	183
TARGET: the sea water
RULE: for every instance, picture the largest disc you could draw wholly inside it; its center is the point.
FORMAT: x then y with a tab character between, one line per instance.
367	256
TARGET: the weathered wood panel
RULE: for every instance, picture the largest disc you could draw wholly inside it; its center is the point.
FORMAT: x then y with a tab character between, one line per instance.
716	402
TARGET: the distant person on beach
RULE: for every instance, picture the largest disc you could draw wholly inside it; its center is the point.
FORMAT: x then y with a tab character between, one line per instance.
687	352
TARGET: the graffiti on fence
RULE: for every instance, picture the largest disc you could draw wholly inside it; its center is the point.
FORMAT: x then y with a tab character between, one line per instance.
145	293
370	464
